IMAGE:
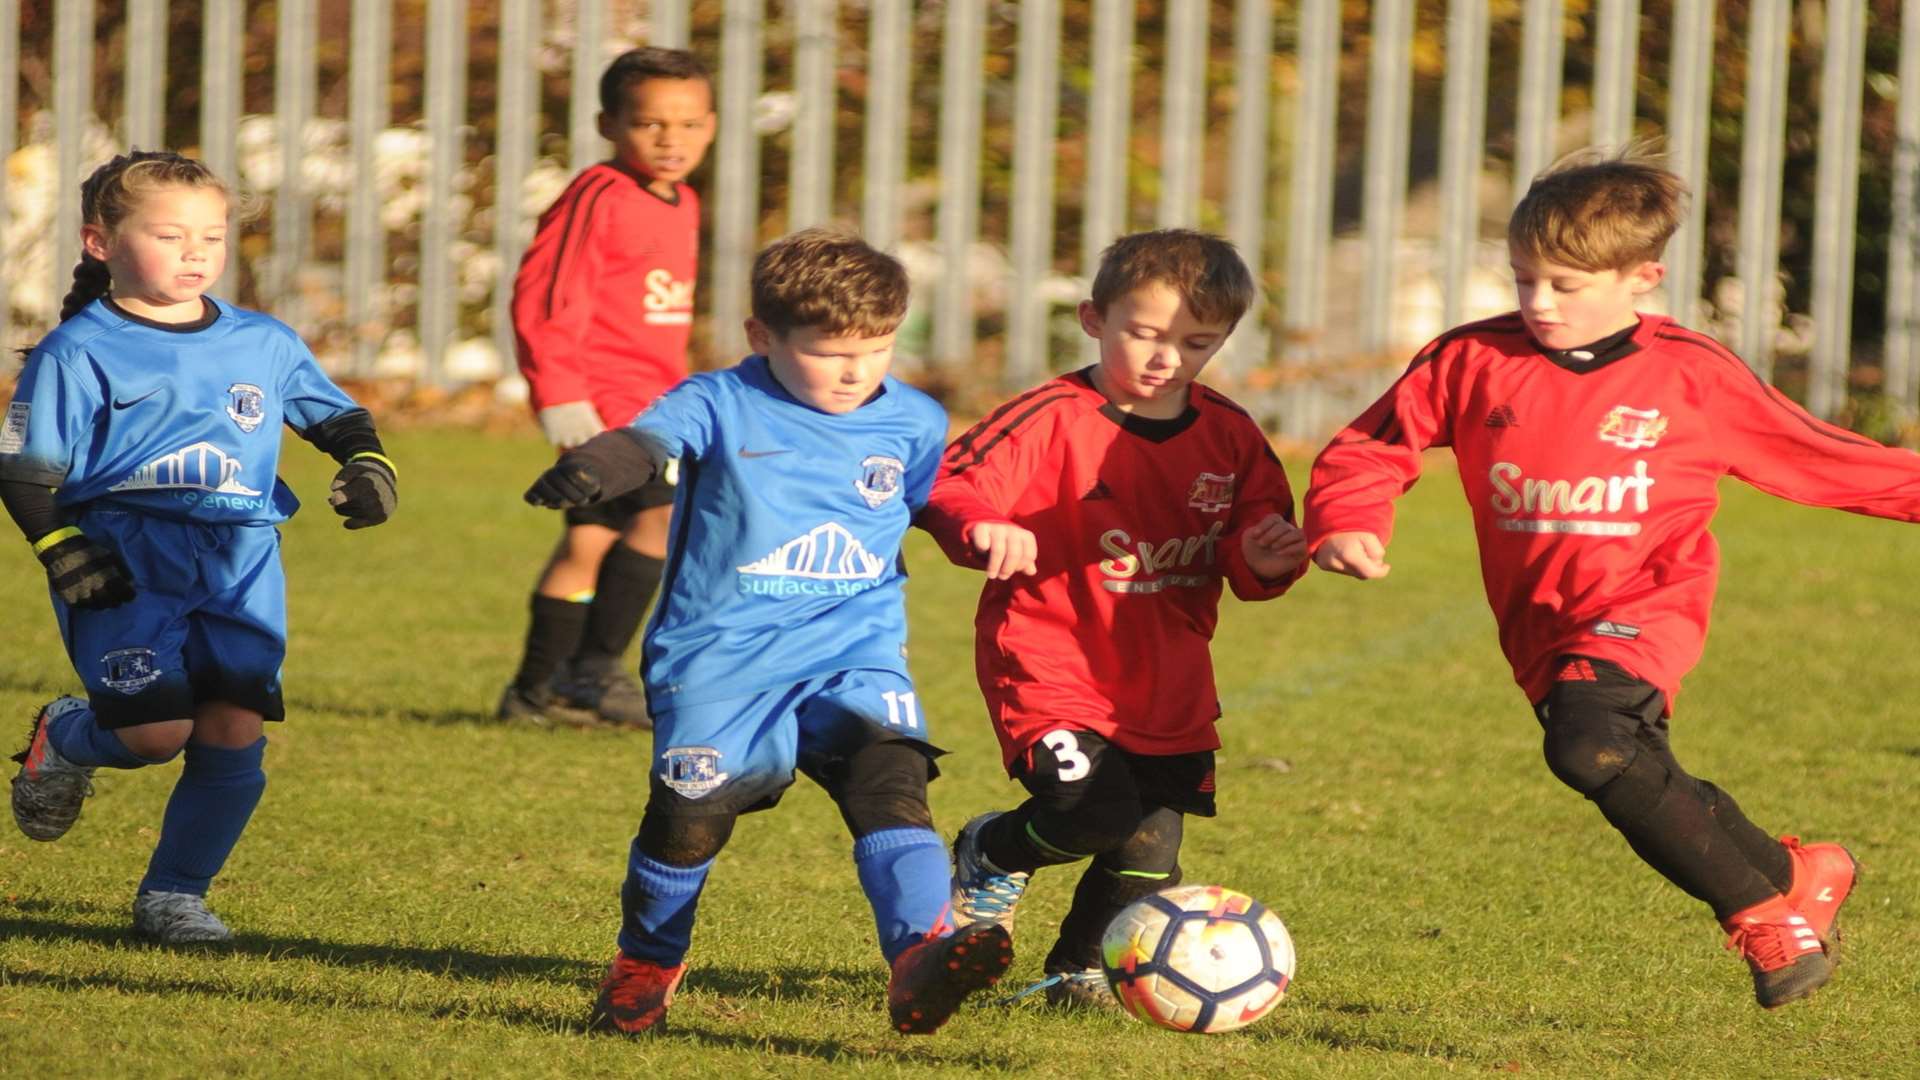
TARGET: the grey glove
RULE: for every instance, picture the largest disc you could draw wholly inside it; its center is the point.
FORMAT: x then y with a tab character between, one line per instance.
570	423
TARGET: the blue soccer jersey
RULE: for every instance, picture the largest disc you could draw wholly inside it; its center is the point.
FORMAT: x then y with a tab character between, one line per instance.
785	560
179	424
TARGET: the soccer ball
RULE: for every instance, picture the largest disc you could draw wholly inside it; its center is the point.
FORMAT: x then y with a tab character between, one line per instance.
1198	958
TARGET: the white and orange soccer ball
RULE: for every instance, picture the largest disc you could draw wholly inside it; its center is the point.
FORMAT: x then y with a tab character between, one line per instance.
1198	958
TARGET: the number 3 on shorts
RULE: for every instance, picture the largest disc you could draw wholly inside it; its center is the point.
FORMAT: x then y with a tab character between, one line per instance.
1066	750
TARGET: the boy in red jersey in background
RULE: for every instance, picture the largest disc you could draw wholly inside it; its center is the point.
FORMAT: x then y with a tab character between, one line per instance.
1106	507
1590	440
602	309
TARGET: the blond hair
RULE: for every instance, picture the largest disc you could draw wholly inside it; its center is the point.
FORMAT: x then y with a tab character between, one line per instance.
112	192
1204	269
831	281
1599	209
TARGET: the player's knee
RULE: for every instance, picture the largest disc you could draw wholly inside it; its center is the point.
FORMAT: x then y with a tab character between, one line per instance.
157	742
677	838
886	788
1153	851
1587	754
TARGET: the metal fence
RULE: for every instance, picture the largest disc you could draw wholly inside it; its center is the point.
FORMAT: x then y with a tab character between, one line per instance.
1269	183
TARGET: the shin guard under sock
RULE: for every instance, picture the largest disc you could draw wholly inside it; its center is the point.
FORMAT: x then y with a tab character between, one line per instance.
1668	823
209	809
904	874
79	738
1101	894
621	594
553	635
657	906
1010	843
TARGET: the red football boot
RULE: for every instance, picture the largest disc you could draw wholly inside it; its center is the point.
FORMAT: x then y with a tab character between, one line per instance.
1823	877
634	996
932	977
1780	945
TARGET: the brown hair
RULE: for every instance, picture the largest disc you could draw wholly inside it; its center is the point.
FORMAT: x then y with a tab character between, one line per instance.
1204	269
1599	209
830	280
636	66
111	193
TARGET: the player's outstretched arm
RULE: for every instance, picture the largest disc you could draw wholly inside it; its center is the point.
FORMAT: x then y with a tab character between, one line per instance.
1273	548
1355	554
611	463
1008	548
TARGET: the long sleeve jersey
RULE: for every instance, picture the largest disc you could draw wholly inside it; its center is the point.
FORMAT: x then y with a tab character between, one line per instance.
1592	484
603	301
1137	522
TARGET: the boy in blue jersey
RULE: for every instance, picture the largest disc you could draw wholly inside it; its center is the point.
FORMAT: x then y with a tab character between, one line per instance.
138	457
780	639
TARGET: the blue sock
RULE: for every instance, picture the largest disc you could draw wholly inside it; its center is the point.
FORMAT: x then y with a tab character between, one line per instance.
215	795
657	903
84	742
905	874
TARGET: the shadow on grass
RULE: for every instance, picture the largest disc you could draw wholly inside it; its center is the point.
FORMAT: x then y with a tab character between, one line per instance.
923	1053
449	962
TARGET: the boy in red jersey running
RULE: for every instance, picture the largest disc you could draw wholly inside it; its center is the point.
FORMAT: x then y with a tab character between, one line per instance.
602	308
1106	507
1590	440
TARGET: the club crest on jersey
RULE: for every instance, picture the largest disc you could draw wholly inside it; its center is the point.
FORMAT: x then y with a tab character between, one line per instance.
693	771
879	479
1211	492
1632	429
129	670
246	406
13	432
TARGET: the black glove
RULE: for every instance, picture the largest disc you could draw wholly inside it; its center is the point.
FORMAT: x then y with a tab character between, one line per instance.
572	482
86	575
364	492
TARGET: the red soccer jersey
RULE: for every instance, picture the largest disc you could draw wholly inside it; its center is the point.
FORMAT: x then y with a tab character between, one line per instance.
1137	522
603	302
1592	484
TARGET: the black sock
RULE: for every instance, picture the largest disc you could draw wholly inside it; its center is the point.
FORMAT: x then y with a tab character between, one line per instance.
1667	820
552	635
1764	853
620	597
1103	891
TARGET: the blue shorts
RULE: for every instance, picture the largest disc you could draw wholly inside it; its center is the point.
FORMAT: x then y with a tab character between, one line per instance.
739	754
208	621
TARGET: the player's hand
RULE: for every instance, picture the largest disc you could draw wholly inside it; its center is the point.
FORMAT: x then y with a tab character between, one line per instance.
570	423
1009	549
1355	554
569	483
86	575
1273	548
365	492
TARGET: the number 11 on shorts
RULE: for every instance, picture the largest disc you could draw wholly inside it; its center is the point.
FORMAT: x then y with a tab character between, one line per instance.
901	710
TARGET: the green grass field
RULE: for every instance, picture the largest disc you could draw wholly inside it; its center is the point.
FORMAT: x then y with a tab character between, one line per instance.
424	892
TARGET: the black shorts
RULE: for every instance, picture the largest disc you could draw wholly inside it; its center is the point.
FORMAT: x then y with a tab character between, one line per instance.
1056	767
617	511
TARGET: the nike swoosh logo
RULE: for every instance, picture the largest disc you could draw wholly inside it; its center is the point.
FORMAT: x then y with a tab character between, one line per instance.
131	402
744	452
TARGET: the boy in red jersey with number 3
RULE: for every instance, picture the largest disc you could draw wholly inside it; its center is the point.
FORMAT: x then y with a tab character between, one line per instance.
1590	440
1106	507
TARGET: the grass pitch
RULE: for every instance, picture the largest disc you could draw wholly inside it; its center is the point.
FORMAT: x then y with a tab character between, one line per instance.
424	892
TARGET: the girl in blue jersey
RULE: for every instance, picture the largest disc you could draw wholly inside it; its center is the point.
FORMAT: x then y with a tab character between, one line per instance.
138	456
